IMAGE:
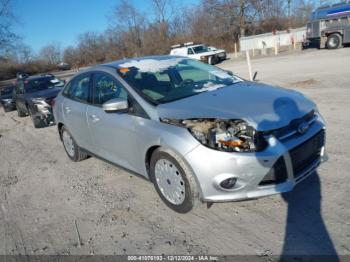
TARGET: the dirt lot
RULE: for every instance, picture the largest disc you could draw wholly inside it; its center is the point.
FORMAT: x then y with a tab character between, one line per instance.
50	205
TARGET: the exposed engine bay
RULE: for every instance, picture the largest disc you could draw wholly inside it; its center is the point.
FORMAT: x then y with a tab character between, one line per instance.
223	135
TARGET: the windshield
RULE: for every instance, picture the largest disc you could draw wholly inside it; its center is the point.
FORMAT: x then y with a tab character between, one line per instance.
200	49
42	84
166	80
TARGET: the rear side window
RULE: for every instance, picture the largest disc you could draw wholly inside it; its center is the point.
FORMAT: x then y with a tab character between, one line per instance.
189	51
79	89
107	88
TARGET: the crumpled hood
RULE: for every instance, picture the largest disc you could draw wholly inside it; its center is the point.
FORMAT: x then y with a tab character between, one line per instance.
263	107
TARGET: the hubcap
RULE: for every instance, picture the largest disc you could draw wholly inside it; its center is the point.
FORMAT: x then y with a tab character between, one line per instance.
333	42
68	143
170	182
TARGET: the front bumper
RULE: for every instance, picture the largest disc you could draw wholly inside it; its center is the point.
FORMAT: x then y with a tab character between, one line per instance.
44	113
211	167
222	56
8	105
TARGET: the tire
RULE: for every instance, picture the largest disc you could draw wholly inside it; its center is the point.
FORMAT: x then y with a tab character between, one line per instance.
20	112
75	153
212	60
334	41
186	196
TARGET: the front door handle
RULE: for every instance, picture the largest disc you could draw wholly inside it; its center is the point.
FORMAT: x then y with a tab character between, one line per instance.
67	109
94	118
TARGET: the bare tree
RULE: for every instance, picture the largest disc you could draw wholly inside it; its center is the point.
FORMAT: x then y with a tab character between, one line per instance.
214	22
7	37
71	56
130	23
89	47
51	53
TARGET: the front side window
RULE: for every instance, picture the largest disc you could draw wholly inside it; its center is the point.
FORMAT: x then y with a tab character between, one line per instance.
107	88
79	88
200	49
165	80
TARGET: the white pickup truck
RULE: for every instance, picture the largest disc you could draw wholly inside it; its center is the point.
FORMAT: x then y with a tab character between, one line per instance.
201	52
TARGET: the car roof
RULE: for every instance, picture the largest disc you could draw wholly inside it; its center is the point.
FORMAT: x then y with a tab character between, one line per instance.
37	77
197	45
116	64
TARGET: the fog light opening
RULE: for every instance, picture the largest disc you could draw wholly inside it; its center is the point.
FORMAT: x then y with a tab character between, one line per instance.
229	183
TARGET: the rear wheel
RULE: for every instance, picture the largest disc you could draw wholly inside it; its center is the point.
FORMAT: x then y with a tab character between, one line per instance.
174	181
334	41
73	151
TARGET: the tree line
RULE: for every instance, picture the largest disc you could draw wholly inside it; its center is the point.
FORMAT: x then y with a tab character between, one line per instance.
132	33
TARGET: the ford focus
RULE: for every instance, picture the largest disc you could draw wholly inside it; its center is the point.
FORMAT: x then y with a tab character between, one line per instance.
199	133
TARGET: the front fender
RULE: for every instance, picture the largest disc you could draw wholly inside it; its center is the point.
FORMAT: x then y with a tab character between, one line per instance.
150	133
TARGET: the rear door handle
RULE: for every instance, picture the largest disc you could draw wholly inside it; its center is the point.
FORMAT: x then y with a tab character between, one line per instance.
67	109
94	118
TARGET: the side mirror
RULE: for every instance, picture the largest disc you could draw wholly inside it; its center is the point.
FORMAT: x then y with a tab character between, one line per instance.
229	72
254	77
116	105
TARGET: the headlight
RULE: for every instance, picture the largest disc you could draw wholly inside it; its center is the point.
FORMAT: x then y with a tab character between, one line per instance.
224	135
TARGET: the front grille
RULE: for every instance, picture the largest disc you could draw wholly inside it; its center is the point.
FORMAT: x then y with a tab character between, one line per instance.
292	129
306	154
277	174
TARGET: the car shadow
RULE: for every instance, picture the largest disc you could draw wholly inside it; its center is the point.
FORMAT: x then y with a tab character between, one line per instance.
306	233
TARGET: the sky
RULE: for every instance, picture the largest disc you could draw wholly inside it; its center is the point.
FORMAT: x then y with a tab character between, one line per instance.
41	22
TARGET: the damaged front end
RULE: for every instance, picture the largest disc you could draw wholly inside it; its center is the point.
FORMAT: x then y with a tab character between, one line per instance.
41	112
223	135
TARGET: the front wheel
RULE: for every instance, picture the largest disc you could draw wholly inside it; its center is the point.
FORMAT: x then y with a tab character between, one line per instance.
73	151
174	181
334	41
212	60
20	112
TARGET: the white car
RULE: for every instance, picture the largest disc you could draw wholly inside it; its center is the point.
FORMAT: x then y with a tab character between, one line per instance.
210	55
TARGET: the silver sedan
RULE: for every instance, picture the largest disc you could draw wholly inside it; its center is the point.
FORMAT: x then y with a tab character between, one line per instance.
199	133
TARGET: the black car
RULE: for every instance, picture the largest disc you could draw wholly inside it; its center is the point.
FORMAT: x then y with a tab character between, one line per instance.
6	98
34	95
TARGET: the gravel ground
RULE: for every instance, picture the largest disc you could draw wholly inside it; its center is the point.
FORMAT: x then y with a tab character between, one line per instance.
50	205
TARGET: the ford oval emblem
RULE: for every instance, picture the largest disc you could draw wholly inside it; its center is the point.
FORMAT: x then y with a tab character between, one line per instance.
303	127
